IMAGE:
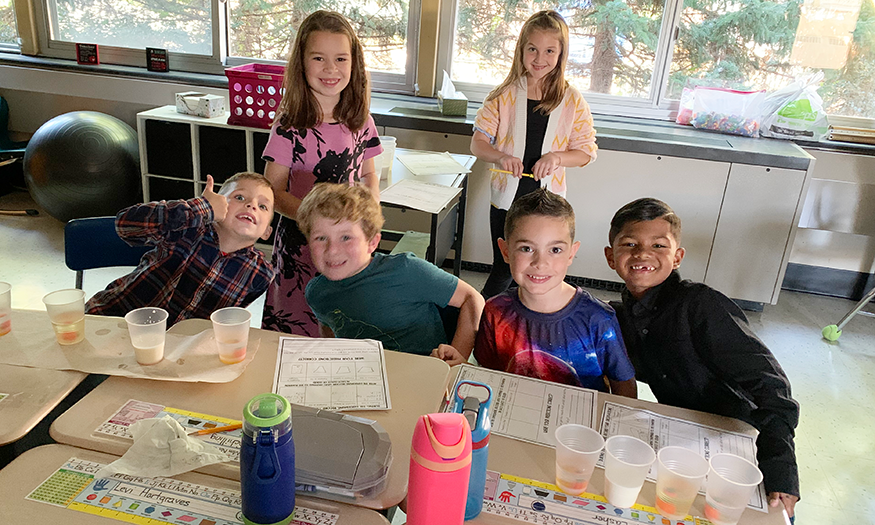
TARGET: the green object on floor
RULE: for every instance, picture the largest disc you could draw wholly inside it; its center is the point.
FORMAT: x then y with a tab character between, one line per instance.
831	333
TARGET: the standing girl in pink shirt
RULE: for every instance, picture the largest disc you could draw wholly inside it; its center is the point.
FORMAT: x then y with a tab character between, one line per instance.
532	126
323	133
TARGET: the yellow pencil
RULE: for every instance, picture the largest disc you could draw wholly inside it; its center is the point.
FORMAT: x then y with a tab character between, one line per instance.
205	431
511	173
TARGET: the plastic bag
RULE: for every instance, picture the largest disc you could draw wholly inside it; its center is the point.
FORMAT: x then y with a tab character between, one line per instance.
796	111
728	110
685	107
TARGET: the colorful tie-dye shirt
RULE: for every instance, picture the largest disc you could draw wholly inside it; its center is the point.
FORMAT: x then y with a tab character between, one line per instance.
578	345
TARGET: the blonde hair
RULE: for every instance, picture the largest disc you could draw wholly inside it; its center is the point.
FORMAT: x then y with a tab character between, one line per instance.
258	178
554	84
340	202
299	108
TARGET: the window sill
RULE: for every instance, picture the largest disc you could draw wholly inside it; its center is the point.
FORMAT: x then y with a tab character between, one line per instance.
129	72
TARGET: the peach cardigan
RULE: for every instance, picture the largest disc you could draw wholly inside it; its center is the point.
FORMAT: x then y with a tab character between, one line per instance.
503	120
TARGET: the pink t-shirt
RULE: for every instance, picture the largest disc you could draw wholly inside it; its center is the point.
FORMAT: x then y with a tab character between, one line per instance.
326	153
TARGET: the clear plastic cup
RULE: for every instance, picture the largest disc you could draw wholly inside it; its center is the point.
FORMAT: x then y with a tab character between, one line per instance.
148	329
679	476
387	158
627	462
577	451
731	481
231	328
66	309
5	308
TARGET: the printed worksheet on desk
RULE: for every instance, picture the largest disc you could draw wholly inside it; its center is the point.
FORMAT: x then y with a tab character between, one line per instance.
530	409
332	374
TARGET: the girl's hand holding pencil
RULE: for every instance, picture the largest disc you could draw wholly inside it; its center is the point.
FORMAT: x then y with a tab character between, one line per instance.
511	173
511	165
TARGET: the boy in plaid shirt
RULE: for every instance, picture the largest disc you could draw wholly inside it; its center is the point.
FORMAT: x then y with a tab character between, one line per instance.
204	256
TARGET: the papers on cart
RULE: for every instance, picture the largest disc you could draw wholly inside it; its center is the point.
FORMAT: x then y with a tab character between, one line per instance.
430	163
419	195
332	374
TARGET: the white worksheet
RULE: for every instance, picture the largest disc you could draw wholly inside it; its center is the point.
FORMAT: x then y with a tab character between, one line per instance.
660	431
419	195
430	163
332	374
531	409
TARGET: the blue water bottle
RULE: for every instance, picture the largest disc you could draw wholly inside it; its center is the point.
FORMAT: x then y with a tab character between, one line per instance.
267	461
477	414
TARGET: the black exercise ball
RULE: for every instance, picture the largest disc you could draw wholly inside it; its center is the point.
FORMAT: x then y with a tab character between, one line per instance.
83	164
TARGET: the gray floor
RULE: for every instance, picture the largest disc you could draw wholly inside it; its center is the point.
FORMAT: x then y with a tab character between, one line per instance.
834	382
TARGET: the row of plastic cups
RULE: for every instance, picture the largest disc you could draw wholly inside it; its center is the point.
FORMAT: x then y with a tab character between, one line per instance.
680	473
66	309
148	328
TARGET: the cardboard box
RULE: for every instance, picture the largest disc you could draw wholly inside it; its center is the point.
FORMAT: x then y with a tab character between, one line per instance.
200	104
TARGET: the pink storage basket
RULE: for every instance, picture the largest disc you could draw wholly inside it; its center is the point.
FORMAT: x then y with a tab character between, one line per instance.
255	93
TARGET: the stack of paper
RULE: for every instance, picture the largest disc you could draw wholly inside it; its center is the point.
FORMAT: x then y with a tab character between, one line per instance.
425	196
424	163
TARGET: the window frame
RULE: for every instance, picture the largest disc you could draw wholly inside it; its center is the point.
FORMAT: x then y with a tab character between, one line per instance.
216	62
656	106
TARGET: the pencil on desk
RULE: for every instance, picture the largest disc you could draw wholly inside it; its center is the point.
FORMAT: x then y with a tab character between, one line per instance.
510	172
227	428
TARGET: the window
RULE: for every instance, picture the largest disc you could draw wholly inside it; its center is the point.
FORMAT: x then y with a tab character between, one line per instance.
266	30
636	56
613	51
8	31
783	40
207	35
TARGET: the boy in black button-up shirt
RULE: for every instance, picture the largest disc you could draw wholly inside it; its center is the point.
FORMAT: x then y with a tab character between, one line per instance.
694	346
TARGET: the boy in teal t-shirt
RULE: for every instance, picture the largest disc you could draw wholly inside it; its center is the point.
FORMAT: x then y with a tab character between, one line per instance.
391	298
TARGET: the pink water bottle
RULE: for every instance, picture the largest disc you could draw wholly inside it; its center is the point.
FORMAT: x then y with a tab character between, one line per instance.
440	466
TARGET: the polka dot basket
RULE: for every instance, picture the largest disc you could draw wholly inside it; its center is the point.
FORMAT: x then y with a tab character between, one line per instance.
255	92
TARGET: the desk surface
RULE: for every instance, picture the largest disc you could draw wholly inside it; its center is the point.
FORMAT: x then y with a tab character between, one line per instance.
30	469
31	394
416	385
536	462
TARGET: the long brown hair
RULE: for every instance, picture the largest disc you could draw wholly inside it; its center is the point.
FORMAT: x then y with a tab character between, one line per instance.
299	108
554	85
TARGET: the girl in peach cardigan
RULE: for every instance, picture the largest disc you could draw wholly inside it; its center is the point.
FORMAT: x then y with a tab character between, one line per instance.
531	127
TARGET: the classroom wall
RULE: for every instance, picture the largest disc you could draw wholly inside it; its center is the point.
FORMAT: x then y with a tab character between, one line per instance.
838	220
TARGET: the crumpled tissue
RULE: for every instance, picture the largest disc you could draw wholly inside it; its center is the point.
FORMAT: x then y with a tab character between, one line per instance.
162	448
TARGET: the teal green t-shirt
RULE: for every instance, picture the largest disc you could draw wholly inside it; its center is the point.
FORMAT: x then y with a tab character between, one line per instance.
394	300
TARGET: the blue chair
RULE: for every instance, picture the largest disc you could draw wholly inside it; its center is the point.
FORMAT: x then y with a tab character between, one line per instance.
93	243
8	147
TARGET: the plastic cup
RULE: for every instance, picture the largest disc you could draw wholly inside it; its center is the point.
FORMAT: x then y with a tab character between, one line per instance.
148	329
577	451
679	476
231	328
5	308
387	158
66	309
731	482
627	462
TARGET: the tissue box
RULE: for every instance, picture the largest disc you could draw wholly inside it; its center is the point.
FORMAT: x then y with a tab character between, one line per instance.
453	106
200	104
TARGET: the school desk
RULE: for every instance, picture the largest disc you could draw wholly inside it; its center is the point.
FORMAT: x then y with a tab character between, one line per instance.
32	468
445	228
30	394
416	386
536	462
